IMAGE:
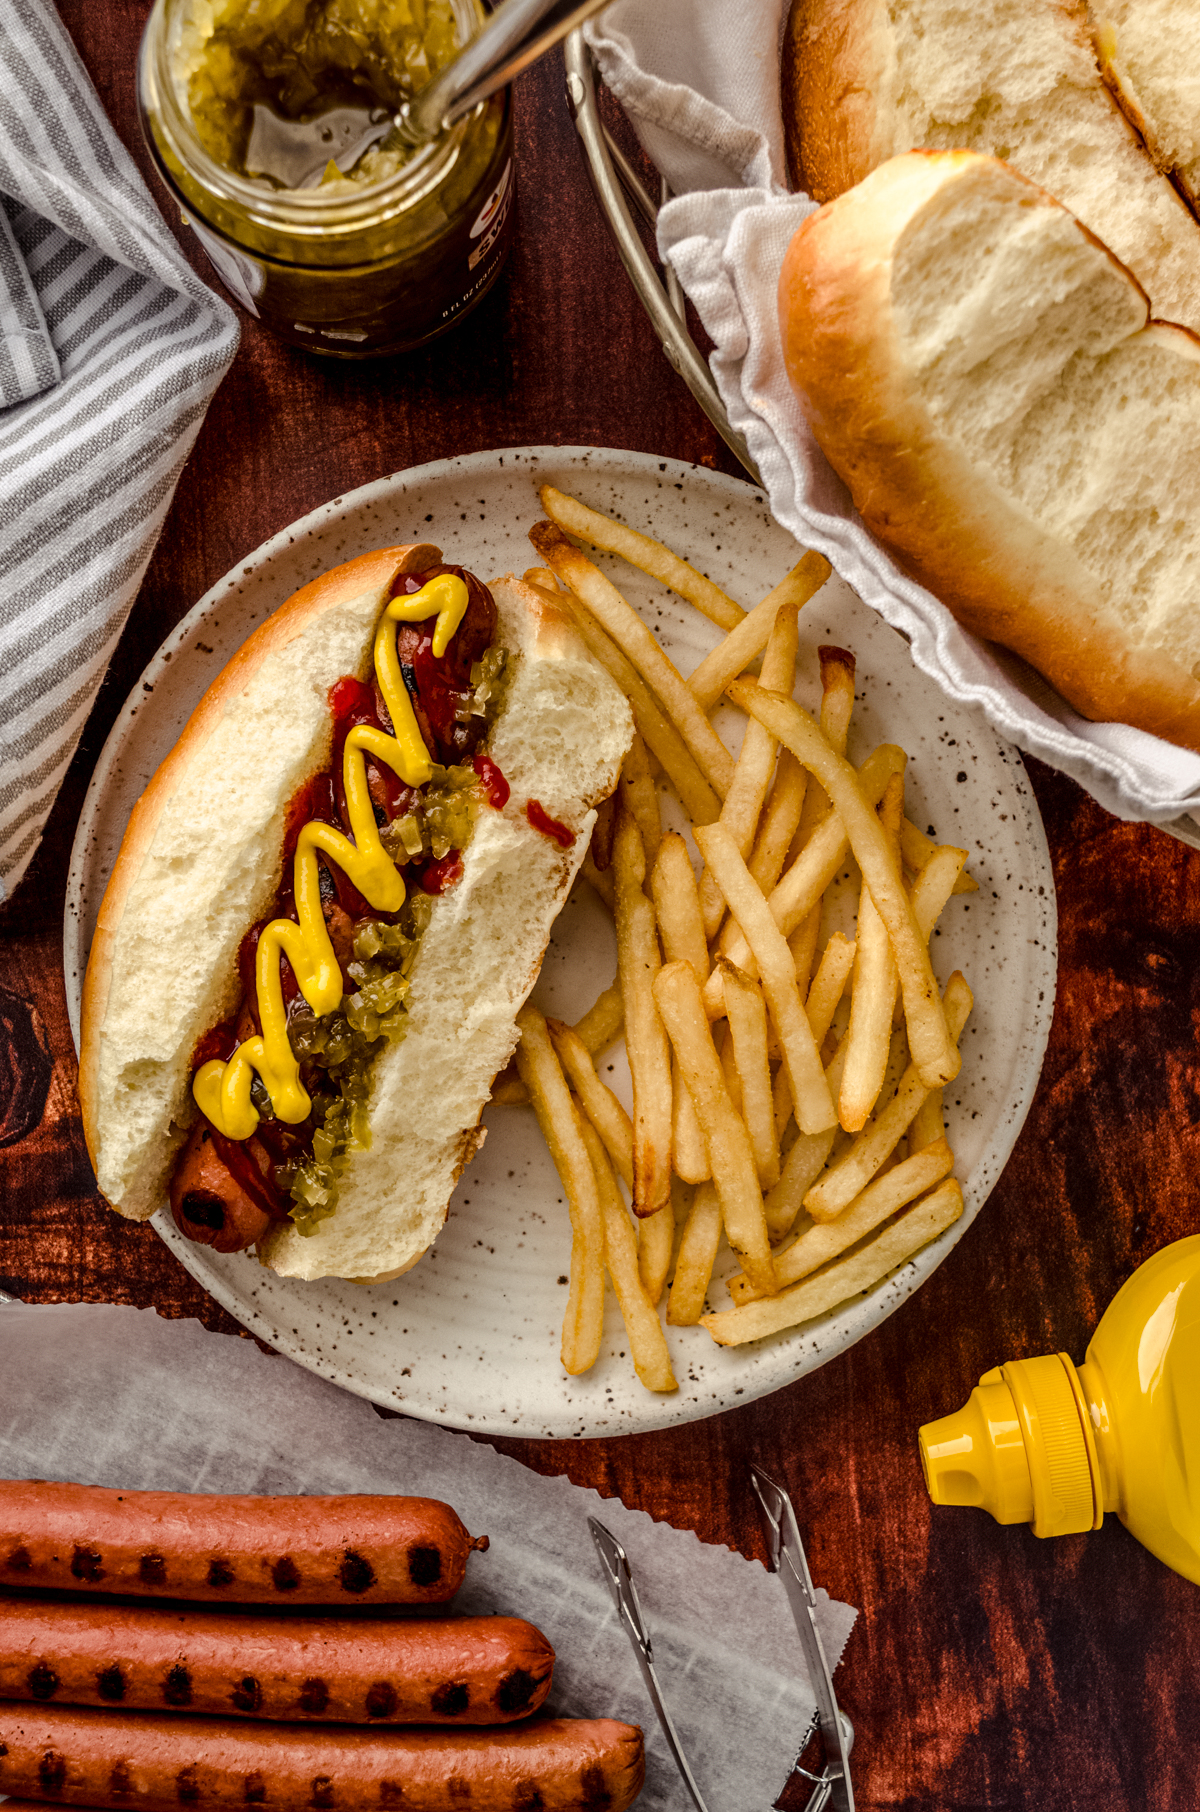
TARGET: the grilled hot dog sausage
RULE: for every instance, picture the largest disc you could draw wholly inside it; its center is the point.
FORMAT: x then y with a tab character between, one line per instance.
158	1763
460	1670
298	1550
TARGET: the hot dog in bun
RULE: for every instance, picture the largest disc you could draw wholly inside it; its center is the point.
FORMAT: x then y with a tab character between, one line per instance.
329	905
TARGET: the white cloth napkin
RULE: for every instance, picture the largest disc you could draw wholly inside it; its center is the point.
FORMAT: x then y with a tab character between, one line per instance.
699	80
116	1396
110	351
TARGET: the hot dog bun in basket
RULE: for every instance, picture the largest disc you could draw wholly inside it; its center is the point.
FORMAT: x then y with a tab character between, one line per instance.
202	863
984	376
865	80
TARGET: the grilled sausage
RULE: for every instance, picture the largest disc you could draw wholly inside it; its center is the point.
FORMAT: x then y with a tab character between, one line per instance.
404	1670
298	1550
158	1763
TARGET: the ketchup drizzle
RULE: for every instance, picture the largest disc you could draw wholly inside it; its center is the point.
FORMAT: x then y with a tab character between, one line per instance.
541	820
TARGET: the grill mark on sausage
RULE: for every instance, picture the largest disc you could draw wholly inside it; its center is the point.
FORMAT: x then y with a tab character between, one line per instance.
120	1780
220	1573
526	1797
87	1564
424	1566
254	1789
177	1687
247	1695
459	1787
391	1793
314	1697
187	1787
42	1681
152	1569
381	1699
357	1574
322	1791
515	1690
52	1772
451	1699
19	1560
285	1574
110	1684
595	1794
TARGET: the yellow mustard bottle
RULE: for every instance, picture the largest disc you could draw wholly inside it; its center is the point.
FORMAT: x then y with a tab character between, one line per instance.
1054	1444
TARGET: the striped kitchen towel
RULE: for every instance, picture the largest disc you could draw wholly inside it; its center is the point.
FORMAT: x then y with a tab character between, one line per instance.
112	349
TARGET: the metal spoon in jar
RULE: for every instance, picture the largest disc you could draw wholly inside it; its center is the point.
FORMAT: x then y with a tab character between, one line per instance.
516	35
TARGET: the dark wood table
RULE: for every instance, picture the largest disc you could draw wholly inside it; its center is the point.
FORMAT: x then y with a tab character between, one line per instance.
987	1669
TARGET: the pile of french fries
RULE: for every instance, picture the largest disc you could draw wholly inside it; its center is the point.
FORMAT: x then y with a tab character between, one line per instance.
787	1087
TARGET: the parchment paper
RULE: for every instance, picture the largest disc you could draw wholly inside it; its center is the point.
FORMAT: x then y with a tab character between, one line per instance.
118	1396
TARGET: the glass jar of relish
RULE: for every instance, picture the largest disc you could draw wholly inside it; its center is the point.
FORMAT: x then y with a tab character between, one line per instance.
271	123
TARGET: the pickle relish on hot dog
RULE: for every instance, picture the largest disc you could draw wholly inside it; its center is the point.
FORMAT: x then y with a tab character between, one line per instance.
371	908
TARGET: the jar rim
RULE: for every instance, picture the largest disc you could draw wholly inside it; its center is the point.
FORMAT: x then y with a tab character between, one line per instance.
302	211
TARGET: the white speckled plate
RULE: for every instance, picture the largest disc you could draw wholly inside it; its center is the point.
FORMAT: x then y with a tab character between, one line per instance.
471	1336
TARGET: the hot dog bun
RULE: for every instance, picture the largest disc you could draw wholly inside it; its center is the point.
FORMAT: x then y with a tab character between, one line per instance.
982	373
865	80
201	863
1150	58
157	1763
353	1549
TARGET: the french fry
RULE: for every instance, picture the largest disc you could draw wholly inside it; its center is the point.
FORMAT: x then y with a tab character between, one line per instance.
829	984
927	1125
661	737
877	1203
749	638
934	885
868	1152
730	1156
810	1091
649	556
603	1019
848	1276
780	821
837	707
557	1117
677	904
656	1241
747	1016
697	1255
620	621
801	1168
638	961
801	886
599	879
640	796
688	1153
802	943
647	1342
874	987
599	1026
916	849
597	1100
781	1095
933	1049
755	764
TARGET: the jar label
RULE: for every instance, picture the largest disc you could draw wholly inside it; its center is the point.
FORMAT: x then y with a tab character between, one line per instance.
495	205
498	217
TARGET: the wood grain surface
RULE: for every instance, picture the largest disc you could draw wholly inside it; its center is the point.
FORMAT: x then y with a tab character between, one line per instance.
987	1669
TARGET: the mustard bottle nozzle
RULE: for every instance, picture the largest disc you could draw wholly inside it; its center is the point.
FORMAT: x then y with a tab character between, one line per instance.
1019	1447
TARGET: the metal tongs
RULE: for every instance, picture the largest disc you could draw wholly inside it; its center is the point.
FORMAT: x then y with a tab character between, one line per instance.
831	1787
516	35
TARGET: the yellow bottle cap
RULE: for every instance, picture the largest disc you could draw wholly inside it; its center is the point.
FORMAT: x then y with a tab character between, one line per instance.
1019	1448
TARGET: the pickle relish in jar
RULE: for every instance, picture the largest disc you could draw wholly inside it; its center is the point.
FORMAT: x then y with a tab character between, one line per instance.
272	121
